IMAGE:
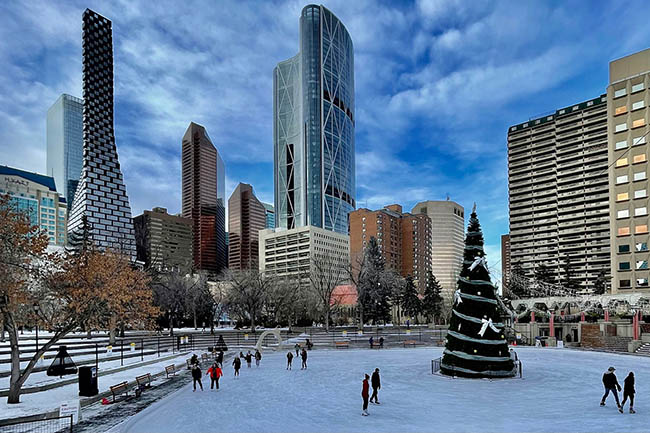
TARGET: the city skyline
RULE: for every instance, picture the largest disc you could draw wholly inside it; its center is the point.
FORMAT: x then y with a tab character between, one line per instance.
428	57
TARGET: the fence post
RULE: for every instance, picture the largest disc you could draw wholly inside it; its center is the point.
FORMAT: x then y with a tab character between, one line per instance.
121	352
96	356
142	349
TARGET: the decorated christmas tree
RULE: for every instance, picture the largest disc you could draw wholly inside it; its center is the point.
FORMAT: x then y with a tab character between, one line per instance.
476	345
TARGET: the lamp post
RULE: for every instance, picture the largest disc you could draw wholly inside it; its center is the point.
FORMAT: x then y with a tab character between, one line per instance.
35	307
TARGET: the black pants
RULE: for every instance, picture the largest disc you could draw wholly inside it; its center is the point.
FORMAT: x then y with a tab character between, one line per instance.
214	381
613	391
200	384
374	395
236	372
365	403
289	365
304	364
625	397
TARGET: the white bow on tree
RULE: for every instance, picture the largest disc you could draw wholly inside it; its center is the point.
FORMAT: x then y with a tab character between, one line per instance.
479	261
485	325
457	298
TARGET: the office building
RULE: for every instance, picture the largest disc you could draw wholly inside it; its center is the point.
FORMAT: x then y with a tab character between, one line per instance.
404	240
505	264
203	189
101	206
447	242
65	144
246	217
627	126
164	241
313	130
36	196
270	215
289	253
558	188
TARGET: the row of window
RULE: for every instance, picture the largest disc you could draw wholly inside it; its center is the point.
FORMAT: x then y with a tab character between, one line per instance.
635	124
639	247
635	142
625	213
640	265
639	175
635	106
640	282
636	159
638	230
635	88
639	193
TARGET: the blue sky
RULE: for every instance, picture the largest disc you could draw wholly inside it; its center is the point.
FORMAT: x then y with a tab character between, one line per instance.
437	85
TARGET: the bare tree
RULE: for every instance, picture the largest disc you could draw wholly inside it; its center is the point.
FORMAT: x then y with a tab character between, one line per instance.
170	289
247	293
328	270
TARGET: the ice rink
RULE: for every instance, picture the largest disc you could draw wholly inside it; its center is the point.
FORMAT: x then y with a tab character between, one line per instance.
560	392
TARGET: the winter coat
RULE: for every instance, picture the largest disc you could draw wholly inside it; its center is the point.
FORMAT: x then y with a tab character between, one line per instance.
364	390
196	372
376	382
610	381
249	358
628	386
290	356
258	356
215	373
304	355
220	357
236	363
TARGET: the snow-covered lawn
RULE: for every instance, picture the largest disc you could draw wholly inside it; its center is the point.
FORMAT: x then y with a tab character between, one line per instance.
560	392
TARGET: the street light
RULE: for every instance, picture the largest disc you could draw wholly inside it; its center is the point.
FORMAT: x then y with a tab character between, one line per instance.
35	307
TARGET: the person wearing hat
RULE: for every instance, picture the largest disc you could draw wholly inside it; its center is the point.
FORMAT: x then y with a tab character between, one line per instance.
376	385
364	394
611	384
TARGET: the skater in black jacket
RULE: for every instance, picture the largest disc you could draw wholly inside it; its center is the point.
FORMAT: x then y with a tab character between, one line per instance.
196	376
249	358
289	360
303	355
628	392
236	363
258	358
611	385
375	381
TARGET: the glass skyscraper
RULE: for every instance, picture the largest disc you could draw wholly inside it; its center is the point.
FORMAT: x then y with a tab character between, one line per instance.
65	144
313	129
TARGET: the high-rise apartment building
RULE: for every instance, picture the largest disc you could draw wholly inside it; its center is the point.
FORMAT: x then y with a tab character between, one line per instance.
270	215
65	144
203	179
505	263
101	205
558	188
291	253
447	242
36	195
246	217
313	130
164	241
404	240
627	126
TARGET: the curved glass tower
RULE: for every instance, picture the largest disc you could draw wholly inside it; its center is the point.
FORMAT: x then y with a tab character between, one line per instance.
313	129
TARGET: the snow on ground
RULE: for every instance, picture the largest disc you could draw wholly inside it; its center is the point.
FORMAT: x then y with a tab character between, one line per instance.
560	392
40	402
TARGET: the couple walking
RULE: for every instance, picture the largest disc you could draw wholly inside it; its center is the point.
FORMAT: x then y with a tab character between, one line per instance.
375	381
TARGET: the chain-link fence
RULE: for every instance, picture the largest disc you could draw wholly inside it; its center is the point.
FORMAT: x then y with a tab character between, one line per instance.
62	424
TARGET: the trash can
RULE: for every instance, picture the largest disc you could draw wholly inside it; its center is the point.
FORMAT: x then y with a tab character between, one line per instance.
88	381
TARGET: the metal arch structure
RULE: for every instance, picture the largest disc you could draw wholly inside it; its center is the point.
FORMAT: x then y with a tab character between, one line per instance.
275	332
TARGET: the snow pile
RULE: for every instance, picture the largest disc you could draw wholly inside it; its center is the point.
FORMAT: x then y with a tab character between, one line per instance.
560	392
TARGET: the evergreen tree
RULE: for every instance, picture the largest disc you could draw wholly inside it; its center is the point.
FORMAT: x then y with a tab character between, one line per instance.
433	302
568	280
375	286
476	346
517	285
543	274
600	285
79	240
411	304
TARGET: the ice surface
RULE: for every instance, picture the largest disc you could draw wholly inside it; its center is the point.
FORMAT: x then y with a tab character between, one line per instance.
560	392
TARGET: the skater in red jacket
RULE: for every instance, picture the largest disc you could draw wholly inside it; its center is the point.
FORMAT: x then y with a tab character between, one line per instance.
215	373
365	394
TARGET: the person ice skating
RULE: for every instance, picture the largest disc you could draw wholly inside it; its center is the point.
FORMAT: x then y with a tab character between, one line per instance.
309	344
303	355
196	376
297	347
381	342
258	358
289	360
628	392
236	363
215	373
364	395
372	342
241	355
611	384
249	358
375	381
194	359
220	357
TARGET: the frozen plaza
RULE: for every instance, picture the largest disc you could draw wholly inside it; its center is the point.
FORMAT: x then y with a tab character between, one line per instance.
560	392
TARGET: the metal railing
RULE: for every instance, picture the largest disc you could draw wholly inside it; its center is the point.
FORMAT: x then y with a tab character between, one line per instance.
518	368
46	425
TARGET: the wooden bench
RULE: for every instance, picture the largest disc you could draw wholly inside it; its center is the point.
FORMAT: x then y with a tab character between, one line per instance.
412	343
120	388
342	344
144	380
170	369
